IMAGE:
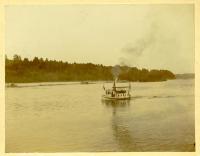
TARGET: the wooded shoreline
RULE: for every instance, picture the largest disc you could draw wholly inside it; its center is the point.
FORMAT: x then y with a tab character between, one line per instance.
18	70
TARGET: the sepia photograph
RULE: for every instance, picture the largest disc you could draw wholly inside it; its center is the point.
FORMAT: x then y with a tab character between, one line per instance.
99	78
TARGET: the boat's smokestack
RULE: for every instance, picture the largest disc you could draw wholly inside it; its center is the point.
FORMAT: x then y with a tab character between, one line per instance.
114	84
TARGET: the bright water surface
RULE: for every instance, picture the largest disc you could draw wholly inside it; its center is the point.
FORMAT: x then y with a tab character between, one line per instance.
71	117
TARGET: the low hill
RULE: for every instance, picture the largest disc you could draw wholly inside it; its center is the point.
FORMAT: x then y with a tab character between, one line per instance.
185	76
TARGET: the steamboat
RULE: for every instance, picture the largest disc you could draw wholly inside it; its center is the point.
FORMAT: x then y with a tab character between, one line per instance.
117	93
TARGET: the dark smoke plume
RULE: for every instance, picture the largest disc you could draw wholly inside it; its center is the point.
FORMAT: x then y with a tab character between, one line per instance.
116	71
134	50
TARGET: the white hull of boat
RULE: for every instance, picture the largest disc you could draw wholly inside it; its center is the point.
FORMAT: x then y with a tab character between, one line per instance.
116	98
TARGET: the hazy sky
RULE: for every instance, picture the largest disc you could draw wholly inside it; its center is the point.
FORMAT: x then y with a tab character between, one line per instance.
149	36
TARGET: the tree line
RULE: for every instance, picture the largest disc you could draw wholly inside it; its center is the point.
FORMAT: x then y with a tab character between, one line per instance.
18	70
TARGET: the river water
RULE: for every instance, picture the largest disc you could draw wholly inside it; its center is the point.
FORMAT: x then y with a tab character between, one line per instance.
71	117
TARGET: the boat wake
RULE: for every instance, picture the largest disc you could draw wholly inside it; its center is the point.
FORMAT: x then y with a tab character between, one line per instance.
157	96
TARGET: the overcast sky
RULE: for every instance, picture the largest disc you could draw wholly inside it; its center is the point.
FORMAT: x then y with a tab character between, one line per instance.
146	36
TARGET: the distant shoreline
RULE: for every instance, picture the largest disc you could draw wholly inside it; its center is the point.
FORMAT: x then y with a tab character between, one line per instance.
185	76
90	81
95	81
36	84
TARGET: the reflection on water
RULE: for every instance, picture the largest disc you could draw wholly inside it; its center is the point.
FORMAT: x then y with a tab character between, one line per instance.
121	133
120	130
114	104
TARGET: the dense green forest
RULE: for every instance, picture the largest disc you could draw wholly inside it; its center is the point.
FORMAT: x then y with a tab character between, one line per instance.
43	70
